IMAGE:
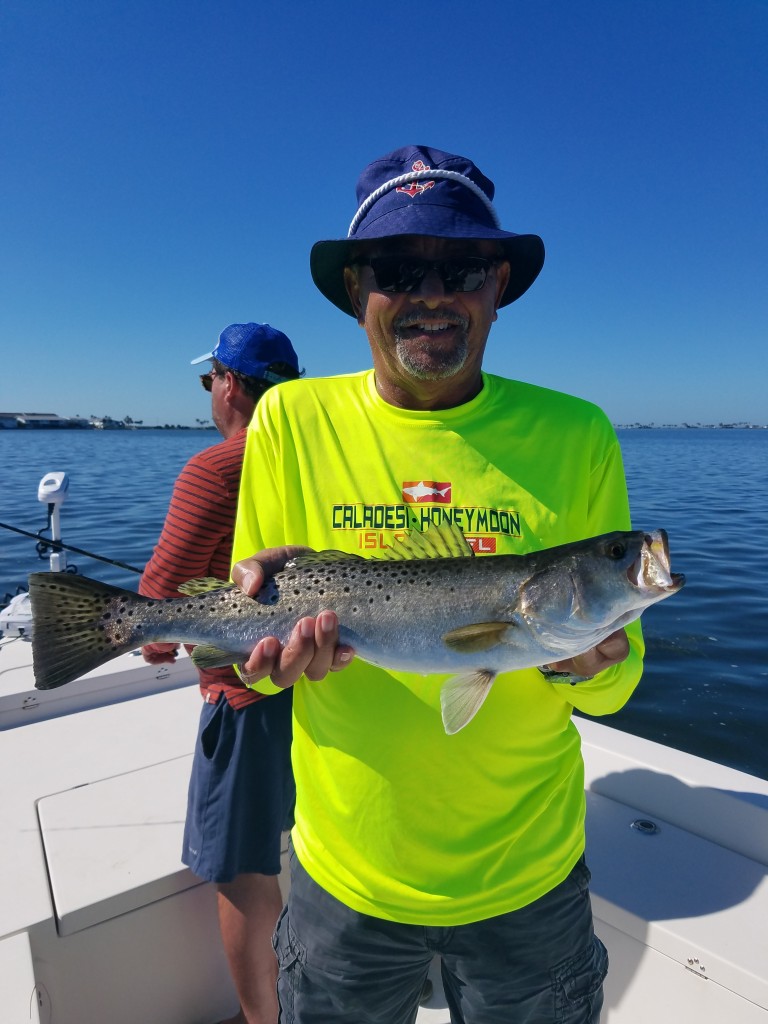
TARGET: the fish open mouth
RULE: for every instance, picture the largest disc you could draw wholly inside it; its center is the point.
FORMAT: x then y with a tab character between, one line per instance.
651	569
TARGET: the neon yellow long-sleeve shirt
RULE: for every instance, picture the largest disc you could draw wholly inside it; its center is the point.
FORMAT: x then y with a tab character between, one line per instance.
393	817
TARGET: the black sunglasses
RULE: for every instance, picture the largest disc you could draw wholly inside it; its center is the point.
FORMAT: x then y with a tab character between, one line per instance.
404	273
206	379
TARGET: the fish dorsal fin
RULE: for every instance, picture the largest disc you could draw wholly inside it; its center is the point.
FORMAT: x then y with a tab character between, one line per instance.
322	558
202	585
462	697
443	541
478	636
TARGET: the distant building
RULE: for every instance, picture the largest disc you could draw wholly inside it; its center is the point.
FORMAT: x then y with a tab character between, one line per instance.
40	421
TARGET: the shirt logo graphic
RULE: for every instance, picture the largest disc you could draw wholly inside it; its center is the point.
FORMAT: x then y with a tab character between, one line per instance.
416	187
432	491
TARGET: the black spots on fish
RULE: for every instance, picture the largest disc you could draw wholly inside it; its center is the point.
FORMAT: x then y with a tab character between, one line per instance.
119	615
112	616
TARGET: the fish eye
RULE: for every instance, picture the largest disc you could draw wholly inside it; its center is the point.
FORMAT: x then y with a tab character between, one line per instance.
617	550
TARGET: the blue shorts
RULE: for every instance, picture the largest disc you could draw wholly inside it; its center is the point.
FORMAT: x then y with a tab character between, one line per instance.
241	792
538	965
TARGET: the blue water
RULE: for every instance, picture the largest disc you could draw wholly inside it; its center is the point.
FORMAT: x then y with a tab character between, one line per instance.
705	687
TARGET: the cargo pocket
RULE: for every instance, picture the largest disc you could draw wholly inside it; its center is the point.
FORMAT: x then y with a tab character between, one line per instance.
215	744
290	958
578	985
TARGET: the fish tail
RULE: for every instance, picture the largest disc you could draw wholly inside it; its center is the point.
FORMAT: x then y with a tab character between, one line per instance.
78	624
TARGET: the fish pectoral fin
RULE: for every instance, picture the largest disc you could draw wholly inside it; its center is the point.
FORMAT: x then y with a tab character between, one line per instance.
208	656
203	585
478	636
462	697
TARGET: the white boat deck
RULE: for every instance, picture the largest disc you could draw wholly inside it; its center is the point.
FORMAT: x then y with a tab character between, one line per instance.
101	921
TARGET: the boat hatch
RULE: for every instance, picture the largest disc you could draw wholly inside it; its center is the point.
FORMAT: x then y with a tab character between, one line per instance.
113	845
689	899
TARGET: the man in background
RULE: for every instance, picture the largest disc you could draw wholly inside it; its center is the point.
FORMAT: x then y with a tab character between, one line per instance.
241	789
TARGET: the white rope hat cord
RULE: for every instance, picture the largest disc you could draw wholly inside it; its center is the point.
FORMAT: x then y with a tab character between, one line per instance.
405	179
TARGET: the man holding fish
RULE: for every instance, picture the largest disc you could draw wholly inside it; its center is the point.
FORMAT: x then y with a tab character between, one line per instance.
410	840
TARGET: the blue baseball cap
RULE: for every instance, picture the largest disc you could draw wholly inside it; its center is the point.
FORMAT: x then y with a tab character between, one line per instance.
251	349
417	190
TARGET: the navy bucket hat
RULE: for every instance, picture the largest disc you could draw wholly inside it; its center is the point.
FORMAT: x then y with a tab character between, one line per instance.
251	349
417	190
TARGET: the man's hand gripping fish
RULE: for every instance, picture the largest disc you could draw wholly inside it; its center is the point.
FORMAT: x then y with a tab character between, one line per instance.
424	606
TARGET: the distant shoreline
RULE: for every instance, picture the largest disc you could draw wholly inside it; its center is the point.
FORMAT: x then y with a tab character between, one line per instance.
122	427
53	421
690	426
210	428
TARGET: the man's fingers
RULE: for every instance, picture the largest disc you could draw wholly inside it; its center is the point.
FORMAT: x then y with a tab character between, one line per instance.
326	640
249	574
312	650
615	647
160	654
342	656
309	650
610	651
262	662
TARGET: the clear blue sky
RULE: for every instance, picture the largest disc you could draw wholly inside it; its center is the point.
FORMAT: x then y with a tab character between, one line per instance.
165	167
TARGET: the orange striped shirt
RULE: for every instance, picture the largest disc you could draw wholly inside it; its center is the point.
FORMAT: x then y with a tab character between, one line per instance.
196	540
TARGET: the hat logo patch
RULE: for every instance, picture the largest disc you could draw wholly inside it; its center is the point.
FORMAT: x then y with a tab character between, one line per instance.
416	187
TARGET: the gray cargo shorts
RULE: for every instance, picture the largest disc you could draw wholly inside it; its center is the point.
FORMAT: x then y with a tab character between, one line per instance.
541	964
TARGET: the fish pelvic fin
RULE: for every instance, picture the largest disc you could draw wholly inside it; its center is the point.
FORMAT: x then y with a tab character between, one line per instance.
70	635
445	540
478	636
203	585
208	656
462	697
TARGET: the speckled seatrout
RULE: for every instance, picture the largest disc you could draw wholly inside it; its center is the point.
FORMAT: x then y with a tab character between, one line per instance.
424	606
